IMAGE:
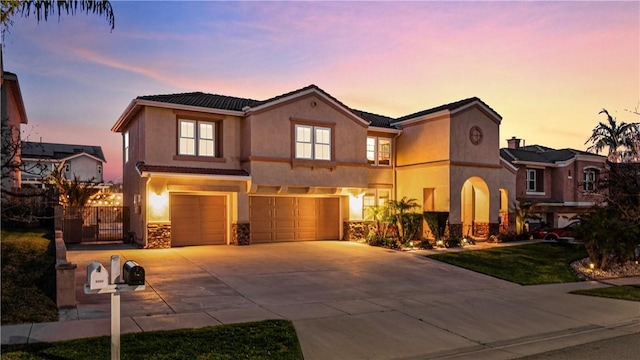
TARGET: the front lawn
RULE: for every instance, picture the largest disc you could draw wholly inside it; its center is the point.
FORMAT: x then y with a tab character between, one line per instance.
270	339
28	277
627	292
530	264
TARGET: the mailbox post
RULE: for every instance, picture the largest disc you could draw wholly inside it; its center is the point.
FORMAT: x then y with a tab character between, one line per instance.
99	282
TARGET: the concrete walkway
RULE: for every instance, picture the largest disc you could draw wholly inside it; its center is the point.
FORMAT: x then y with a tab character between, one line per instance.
346	300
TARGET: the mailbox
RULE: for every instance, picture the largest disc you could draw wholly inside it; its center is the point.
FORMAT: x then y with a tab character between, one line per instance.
97	276
132	273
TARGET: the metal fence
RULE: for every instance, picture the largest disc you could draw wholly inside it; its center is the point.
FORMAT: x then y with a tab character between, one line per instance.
93	223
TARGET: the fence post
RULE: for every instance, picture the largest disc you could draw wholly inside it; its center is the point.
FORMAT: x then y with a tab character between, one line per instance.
65	275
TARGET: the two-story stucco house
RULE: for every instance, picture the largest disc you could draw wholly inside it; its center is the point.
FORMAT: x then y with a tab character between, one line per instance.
212	169
12	114
561	183
84	162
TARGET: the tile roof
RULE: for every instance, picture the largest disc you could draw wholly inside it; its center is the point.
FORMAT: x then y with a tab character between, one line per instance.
375	119
189	170
53	151
238	104
451	106
541	154
203	100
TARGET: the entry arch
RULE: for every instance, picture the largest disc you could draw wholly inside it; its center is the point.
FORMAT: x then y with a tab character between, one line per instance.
474	206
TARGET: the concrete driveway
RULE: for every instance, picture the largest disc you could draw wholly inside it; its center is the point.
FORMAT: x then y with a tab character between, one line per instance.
352	301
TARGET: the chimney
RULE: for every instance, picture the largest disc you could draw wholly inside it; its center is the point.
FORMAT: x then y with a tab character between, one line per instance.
513	143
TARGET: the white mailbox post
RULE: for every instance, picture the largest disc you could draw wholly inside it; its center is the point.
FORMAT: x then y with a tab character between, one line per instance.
99	282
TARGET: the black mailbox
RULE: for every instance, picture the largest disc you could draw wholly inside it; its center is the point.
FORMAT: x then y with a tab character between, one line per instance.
133	273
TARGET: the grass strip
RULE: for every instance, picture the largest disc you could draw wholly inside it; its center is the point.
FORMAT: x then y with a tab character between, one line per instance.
28	277
269	339
625	292
529	264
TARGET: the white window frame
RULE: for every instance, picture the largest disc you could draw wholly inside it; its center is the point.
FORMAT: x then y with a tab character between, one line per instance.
126	147
589	180
531	178
312	142
375	152
195	140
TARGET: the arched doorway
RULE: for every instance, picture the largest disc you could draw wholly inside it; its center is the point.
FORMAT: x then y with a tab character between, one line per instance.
475	208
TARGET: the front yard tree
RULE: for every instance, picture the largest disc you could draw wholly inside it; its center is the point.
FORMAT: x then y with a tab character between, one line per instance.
73	193
617	137
43	9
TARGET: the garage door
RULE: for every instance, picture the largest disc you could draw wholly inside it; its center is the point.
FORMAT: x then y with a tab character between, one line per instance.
198	220
294	218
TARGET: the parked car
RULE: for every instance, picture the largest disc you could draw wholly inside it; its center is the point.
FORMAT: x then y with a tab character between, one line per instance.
567	232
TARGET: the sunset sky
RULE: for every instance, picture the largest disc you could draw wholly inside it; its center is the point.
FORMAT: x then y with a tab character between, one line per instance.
547	67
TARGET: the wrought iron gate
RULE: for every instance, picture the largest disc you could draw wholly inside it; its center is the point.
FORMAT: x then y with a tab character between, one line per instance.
94	223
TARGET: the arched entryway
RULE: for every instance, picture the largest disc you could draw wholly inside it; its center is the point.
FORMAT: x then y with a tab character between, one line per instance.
475	208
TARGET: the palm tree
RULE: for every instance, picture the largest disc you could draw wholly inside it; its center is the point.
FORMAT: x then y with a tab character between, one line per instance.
399	208
614	136
42	9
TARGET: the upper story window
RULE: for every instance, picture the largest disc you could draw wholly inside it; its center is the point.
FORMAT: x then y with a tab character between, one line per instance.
589	180
535	180
126	147
378	151
67	168
99	169
196	138
312	142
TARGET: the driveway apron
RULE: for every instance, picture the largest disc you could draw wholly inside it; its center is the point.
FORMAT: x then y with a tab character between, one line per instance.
352	301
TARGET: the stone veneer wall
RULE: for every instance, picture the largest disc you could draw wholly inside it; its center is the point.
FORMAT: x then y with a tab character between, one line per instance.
241	234
455	231
481	229
355	230
158	236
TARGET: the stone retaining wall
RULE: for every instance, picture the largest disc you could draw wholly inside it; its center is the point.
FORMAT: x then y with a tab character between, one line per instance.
355	230
158	236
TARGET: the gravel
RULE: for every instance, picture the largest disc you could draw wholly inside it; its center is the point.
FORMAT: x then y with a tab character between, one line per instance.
631	268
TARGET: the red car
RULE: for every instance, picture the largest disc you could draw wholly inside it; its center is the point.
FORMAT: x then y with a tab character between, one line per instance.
567	232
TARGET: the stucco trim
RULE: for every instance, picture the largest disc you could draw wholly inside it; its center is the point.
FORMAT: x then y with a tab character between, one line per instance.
449	163
309	93
375	129
440	115
484	109
288	161
151	174
507	165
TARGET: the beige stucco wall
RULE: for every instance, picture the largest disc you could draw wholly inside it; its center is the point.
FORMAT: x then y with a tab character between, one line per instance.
411	183
490	176
132	183
462	149
161	131
269	153
424	142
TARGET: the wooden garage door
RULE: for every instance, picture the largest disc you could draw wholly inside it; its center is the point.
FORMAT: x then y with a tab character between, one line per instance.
198	220
293	218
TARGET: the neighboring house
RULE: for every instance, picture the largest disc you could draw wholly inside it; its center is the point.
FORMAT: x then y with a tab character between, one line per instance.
211	169
13	115
84	162
562	183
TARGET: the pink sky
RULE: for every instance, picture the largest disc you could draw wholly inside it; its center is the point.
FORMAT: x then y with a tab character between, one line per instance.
547	67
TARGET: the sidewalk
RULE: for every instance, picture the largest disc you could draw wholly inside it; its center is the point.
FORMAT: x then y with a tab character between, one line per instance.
347	301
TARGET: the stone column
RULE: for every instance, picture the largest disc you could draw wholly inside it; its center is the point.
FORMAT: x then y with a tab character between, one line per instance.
241	233
158	236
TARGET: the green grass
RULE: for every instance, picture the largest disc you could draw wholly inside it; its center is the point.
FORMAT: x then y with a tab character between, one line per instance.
28	277
627	292
530	264
270	339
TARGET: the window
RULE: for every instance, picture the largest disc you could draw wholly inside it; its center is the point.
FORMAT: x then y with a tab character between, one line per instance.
312	142
99	169
535	180
196	138
126	147
589	180
67	168
378	151
374	197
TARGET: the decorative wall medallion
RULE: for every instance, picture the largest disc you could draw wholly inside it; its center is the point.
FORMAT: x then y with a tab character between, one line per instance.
475	135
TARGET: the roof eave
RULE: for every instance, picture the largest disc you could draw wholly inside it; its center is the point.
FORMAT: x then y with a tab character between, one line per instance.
440	113
149	174
137	104
384	130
